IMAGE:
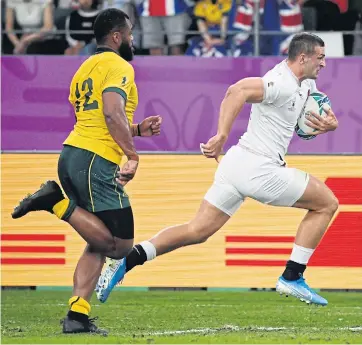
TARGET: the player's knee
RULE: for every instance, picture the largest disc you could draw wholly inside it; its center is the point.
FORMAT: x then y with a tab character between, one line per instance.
109	245
333	204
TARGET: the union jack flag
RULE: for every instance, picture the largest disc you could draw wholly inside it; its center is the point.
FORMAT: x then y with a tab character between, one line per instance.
161	8
290	20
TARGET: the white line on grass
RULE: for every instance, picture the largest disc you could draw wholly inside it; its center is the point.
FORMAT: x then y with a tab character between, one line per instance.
231	328
353	329
220	329
110	306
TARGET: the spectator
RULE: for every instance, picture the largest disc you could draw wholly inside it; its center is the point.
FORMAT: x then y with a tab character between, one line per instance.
159	16
212	23
356	5
336	16
129	7
357	47
31	15
328	14
283	15
66	4
81	20
342	4
6	45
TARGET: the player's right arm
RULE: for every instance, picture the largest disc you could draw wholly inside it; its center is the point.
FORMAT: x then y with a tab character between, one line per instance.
115	92
248	90
117	123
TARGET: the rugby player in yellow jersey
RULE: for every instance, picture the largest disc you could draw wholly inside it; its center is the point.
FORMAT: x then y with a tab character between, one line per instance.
104	95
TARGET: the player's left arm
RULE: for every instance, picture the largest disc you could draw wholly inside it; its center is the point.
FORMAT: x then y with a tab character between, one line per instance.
148	127
321	124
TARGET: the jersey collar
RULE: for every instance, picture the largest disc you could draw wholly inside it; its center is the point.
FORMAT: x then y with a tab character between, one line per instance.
291	72
104	50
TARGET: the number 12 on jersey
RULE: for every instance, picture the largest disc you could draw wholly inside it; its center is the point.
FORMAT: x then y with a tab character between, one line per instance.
87	89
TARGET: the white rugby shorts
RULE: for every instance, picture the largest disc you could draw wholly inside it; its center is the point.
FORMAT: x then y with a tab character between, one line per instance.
243	174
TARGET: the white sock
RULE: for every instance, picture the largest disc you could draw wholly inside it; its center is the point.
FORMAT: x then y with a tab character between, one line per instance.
300	254
149	249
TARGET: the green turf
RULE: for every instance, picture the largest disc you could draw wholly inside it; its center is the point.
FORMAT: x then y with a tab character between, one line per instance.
32	317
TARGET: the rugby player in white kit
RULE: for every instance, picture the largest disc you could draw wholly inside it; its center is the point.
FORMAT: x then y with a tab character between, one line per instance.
255	168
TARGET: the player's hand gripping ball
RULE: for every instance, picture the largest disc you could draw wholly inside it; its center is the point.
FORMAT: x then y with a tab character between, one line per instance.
318	103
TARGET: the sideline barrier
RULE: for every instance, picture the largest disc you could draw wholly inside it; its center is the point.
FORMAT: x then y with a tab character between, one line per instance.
250	251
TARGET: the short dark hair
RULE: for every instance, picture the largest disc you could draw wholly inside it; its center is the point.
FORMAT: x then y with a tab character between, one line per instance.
95	4
108	20
303	43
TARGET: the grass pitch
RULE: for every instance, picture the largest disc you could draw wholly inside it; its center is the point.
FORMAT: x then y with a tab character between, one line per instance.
33	317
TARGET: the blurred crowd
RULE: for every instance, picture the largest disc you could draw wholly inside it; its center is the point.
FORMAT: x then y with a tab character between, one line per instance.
176	27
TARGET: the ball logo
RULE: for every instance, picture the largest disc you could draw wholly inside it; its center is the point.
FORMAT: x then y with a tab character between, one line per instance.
322	99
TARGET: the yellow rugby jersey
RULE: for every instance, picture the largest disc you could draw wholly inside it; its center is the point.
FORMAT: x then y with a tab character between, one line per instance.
212	11
103	72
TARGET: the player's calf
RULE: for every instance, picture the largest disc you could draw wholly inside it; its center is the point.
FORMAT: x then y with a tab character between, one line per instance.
196	233
207	221
321	204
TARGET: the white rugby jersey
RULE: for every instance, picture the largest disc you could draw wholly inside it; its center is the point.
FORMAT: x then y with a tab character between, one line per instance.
271	124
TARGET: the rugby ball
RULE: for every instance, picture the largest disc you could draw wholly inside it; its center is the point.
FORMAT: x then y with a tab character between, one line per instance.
317	102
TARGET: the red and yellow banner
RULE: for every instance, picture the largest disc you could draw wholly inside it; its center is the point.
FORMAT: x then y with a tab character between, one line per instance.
250	251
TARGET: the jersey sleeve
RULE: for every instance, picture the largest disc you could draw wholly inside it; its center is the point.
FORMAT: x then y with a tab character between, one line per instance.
271	89
120	80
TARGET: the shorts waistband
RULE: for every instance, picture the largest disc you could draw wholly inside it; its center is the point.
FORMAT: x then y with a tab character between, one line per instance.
258	153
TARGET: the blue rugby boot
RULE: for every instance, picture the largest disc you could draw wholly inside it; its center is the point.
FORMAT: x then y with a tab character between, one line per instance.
112	275
299	289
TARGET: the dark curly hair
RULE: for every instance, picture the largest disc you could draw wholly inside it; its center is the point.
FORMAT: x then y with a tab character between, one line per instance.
107	21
